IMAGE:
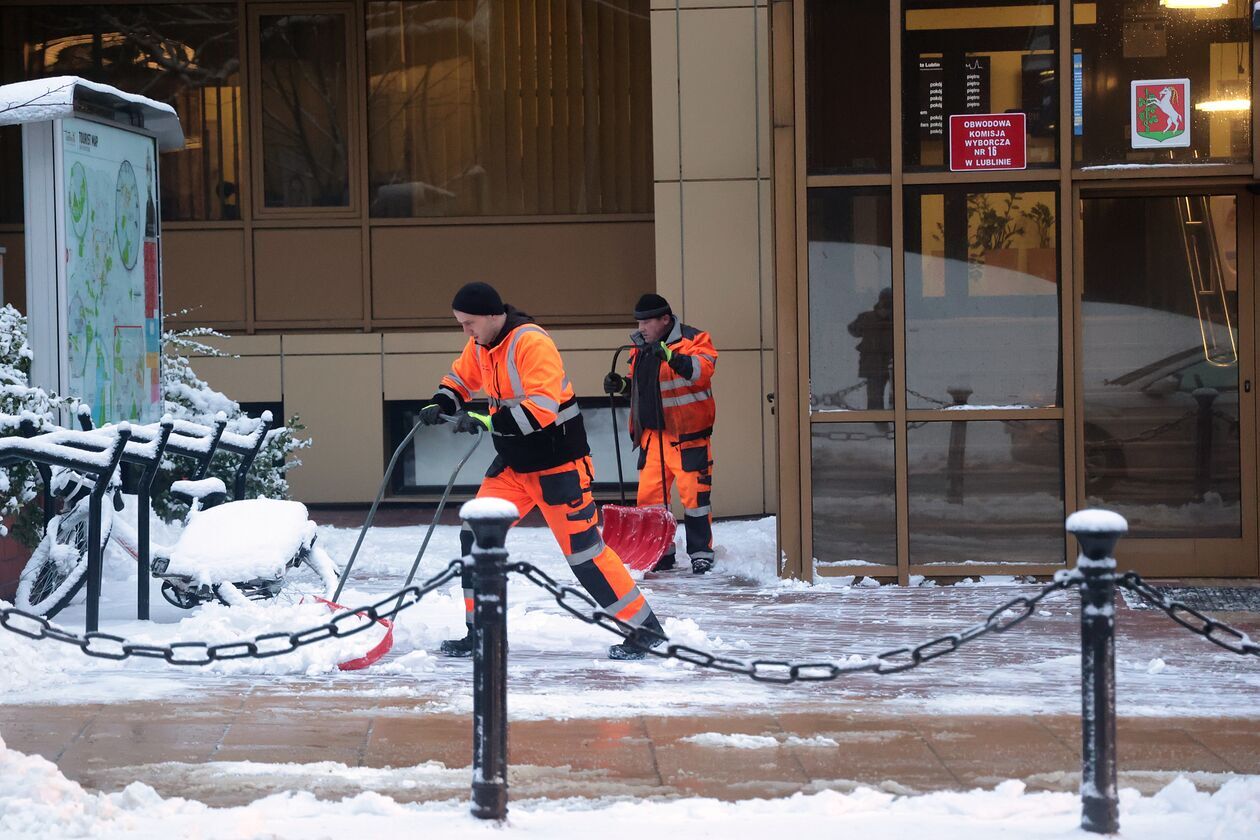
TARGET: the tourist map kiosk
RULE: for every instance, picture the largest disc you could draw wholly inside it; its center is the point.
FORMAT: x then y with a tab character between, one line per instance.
93	246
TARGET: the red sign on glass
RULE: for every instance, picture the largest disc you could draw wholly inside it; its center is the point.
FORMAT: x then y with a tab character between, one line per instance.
987	141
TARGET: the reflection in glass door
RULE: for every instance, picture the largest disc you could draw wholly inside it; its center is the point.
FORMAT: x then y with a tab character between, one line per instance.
1164	394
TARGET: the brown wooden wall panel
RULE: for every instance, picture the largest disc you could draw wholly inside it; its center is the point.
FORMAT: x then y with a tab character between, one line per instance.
581	269
204	271
14	269
310	274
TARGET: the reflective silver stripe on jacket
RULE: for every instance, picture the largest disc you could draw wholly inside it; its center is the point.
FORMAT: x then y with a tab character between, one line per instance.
454	396
695	369
461	383
544	401
674	385
699	396
563	416
698	511
514	373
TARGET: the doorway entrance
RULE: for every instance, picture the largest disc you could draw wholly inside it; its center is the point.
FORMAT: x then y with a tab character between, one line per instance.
1164	369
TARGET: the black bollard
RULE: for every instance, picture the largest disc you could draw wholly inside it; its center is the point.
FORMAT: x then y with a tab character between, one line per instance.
1097	531
489	520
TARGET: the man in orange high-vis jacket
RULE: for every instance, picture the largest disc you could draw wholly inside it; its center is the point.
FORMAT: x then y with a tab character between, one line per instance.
543	459
671	420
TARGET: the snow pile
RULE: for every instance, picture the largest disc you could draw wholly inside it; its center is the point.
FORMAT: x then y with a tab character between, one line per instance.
738	741
29	665
36	800
741	741
216	623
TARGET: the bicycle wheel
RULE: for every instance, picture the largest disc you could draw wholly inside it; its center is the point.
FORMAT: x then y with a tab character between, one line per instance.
58	566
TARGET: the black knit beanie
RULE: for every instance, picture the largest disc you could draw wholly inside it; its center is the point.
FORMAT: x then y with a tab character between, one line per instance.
478	299
651	306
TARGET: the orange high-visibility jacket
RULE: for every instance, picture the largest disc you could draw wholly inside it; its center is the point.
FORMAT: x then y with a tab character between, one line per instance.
686	391
534	415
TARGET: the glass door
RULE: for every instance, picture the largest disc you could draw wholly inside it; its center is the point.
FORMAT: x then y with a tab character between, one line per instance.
1165	432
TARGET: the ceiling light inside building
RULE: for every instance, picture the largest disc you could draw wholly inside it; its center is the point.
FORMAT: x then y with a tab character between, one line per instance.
1223	105
1192	4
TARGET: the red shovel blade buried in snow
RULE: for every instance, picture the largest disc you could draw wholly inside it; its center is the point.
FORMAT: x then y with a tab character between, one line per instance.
639	535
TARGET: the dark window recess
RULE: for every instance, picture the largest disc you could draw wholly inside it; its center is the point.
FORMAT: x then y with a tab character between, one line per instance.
426	465
846	87
186	55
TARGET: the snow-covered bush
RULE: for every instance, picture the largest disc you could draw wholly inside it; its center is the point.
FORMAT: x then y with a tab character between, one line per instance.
188	397
19	483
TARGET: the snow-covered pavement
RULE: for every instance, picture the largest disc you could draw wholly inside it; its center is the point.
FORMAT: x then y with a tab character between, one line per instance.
559	669
559	676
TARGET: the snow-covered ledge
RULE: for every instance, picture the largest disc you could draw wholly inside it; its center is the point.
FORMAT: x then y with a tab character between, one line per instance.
36	100
1097	521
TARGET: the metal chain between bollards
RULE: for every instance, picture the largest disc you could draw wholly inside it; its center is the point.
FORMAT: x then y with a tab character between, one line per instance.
1216	632
109	646
892	661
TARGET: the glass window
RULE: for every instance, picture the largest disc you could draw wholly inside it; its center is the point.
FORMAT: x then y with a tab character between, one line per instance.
1160	367
995	58
982	298
850	299
305	110
1206	43
530	107
854	494
847	86
187	55
11	174
986	491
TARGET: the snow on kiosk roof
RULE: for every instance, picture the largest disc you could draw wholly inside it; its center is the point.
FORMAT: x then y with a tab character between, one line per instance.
53	98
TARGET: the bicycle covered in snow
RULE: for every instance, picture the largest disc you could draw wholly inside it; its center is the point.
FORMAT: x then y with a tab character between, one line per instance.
230	549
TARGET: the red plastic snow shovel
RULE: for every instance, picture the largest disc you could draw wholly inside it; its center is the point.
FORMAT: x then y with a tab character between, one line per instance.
639	535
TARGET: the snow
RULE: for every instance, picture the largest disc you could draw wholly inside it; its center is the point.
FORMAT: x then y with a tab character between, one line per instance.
1095	521
37	801
37	100
241	541
558	666
488	508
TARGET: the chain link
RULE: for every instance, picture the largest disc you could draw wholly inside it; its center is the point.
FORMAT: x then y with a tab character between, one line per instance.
779	671
109	646
1216	632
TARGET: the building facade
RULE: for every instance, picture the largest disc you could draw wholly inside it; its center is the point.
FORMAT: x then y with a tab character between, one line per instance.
971	264
975	344
349	165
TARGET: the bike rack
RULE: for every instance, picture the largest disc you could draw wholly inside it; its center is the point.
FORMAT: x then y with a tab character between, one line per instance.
189	440
143	446
74	450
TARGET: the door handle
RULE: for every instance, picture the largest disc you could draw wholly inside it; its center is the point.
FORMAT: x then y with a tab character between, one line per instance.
1246	386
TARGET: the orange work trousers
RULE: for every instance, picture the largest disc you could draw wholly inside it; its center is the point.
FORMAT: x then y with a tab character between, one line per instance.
563	494
689	464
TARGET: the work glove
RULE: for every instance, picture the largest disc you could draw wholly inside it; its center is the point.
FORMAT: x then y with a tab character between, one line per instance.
430	415
614	383
472	423
660	351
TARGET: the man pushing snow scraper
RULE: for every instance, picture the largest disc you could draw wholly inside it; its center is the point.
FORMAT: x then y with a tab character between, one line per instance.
542	459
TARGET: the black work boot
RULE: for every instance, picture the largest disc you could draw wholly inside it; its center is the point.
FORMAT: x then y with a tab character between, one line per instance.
460	648
664	564
700	565
630	650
